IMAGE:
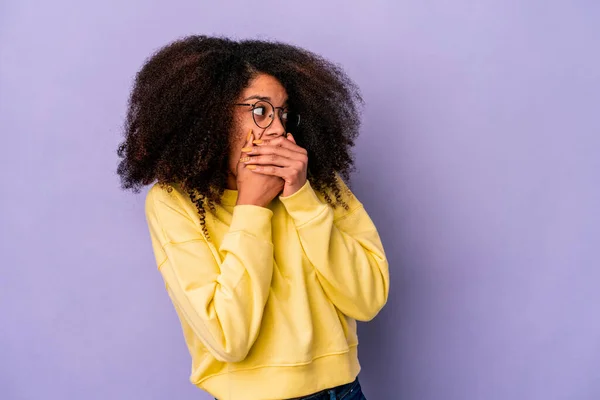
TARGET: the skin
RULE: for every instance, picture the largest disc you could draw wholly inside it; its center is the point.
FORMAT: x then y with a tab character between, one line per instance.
264	163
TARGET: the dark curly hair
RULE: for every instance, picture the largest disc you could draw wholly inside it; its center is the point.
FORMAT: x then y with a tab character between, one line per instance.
180	114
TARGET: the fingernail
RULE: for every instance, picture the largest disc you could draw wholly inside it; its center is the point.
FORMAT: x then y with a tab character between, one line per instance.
244	159
246	149
257	141
249	135
251	167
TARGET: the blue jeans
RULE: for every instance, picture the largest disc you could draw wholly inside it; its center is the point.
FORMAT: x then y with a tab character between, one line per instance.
349	391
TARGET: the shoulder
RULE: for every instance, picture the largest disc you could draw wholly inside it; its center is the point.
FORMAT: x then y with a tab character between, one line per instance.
165	196
344	199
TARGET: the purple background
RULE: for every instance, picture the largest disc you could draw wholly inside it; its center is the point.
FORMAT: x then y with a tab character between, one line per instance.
479	162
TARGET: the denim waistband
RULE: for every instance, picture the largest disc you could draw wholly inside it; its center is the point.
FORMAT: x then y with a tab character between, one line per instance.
335	393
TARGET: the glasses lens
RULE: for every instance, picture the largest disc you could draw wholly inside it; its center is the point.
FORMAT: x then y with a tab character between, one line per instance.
262	114
291	119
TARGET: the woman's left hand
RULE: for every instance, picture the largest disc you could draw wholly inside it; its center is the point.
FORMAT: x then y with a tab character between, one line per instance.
279	157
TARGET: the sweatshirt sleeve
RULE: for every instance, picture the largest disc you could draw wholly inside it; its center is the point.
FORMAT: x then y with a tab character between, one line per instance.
345	249
221	297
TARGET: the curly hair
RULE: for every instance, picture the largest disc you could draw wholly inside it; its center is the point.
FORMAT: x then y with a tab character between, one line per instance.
180	114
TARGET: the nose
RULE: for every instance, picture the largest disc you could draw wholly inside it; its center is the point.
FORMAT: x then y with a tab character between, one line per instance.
277	128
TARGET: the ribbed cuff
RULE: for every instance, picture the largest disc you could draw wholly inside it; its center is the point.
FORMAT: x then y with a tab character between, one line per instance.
304	205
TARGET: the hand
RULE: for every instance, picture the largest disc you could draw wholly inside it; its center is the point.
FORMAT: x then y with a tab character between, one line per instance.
282	158
255	189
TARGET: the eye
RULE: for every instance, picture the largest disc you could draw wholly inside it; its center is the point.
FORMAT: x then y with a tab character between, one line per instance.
260	111
284	115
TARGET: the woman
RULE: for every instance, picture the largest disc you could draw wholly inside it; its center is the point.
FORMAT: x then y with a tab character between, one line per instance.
267	256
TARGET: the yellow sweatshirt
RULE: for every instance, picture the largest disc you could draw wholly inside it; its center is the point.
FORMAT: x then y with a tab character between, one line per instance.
268	306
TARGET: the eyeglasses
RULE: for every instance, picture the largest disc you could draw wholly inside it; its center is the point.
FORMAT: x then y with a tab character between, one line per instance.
263	114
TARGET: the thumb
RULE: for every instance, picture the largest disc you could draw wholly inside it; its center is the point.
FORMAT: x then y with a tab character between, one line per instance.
249	139
290	137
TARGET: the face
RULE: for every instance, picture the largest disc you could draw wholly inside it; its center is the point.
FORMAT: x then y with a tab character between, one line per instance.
262	87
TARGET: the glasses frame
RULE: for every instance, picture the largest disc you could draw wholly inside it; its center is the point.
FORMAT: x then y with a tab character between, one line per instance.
253	105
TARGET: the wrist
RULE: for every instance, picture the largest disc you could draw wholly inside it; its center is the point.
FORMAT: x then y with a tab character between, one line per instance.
241	201
290	190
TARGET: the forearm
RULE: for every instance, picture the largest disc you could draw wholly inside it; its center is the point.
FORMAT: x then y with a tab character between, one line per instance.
220	294
346	253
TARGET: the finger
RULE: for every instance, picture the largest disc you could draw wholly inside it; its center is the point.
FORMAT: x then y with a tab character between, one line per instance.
276	151
270	159
247	146
290	137
249	140
287	174
269	170
281	142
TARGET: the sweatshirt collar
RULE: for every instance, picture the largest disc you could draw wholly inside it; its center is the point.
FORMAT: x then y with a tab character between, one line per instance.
229	197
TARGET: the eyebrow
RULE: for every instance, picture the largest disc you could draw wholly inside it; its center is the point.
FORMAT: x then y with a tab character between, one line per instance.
257	97
263	98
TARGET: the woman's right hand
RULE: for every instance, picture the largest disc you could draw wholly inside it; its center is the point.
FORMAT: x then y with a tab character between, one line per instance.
255	189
